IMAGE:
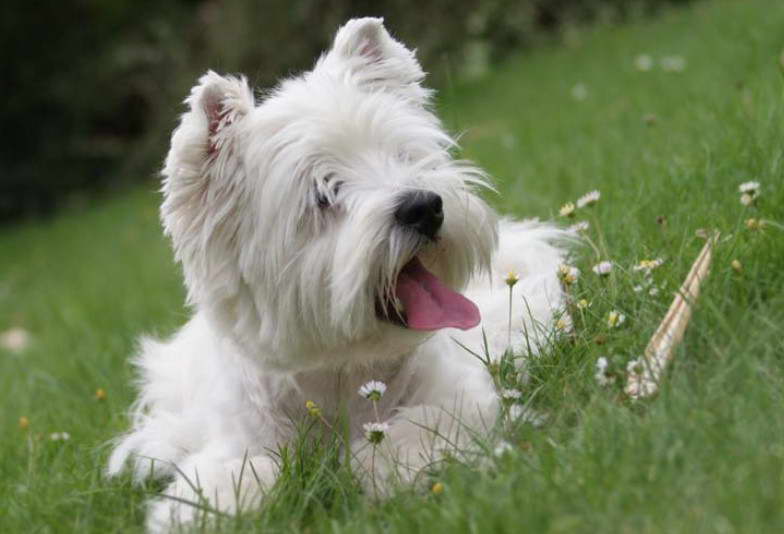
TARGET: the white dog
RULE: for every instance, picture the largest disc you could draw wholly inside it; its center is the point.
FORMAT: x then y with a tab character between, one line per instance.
323	233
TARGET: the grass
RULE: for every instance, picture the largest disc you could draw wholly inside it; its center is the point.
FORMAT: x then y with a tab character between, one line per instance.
706	455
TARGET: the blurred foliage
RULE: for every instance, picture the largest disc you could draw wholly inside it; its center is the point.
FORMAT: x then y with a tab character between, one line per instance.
92	87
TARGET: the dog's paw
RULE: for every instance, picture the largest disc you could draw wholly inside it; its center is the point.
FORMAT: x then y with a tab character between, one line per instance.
205	488
168	514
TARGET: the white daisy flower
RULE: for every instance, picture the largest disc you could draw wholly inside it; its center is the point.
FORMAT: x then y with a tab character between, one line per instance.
580	92
747	199
375	432
511	394
15	340
502	448
579	227
603	268
673	63
589	199
568	274
615	319
638	288
567	210
373	390
643	62
648	265
754	224
59	436
583	304
752	188
511	279
526	414
634	367
653	291
601	376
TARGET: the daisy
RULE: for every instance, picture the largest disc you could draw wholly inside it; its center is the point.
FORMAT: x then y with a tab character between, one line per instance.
747	199
375	432
603	268
634	367
673	63
751	188
100	394
561	325
579	227
754	224
525	414
583	304
373	390
510	394
648	265
512	279
568	274
615	319
736	266
15	340
643	62
502	448
653	291
602	377
567	210
59	436
580	92
588	199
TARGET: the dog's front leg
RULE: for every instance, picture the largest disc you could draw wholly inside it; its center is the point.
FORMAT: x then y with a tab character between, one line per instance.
206	485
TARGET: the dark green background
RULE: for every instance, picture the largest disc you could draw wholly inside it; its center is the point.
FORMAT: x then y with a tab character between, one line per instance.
91	88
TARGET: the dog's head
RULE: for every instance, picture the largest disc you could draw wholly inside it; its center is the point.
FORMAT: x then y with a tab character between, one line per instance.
329	220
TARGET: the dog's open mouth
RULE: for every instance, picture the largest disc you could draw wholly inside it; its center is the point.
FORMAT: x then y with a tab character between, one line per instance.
425	303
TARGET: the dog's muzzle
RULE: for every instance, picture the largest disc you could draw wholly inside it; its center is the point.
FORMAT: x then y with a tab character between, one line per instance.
421	211
420	300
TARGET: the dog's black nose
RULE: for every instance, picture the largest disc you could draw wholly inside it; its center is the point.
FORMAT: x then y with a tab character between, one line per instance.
421	211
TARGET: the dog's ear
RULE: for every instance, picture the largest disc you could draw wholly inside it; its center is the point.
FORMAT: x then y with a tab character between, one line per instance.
375	58
203	176
216	104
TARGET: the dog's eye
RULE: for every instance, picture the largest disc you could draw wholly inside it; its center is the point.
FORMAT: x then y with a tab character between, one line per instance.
322	200
327	194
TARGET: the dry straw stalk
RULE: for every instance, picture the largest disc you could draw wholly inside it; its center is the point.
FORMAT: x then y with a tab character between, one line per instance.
661	348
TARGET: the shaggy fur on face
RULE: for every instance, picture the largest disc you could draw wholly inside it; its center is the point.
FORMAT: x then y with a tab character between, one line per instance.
324	234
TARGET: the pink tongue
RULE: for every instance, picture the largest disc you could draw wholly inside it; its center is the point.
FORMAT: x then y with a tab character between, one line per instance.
431	305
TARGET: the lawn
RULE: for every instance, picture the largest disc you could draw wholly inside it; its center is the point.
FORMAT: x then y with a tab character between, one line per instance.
666	147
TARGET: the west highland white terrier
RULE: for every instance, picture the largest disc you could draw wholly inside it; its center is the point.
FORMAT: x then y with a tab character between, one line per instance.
325	232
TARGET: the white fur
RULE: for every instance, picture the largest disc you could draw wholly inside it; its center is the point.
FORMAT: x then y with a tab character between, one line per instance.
284	289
